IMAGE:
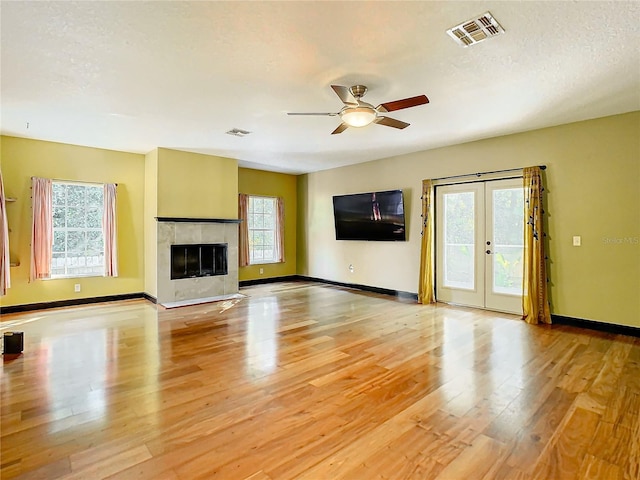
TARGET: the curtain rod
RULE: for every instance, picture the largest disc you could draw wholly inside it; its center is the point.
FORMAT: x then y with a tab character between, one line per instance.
542	167
72	181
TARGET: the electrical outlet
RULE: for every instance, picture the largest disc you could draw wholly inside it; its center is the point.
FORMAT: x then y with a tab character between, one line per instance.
351	269
76	287
261	271
577	240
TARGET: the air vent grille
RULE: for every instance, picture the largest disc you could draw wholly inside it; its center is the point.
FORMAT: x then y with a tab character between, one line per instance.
238	132
476	30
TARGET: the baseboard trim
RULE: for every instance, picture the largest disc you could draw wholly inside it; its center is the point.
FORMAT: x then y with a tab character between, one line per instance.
594	325
150	298
556	319
68	303
366	288
261	281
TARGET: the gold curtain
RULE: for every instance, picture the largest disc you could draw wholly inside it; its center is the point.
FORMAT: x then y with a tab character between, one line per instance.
426	282
243	237
535	302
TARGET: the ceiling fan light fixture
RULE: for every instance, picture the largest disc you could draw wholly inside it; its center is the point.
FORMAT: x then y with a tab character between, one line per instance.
358	116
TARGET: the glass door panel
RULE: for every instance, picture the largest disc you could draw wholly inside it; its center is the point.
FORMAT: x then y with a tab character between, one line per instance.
505	242
459	240
479	244
459	235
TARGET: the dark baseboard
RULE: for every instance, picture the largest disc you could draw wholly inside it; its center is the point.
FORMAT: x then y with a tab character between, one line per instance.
366	288
68	303
150	298
355	286
556	319
594	325
261	281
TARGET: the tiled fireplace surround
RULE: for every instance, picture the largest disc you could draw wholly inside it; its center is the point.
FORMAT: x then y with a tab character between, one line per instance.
188	291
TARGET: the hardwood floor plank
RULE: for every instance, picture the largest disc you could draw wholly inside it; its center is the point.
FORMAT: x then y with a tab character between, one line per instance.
56	469
532	440
105	466
412	455
604	384
564	454
475	460
593	468
340	463
631	464
311	381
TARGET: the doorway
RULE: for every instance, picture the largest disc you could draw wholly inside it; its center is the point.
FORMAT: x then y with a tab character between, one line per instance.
480	244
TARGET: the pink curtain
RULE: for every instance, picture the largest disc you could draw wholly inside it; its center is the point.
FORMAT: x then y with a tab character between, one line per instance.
5	272
243	240
41	228
110	231
280	229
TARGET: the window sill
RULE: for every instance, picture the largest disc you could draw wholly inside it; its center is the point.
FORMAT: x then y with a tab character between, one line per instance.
67	277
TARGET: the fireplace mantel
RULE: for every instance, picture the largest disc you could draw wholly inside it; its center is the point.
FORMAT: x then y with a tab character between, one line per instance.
197	220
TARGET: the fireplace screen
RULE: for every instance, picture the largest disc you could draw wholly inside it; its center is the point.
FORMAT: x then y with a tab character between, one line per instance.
204	260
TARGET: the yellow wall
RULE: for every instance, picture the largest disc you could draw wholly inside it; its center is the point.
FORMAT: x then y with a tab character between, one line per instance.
150	227
302	227
23	158
257	182
593	190
195	185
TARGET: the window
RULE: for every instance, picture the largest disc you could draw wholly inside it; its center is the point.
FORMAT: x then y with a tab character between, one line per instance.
78	240
262	222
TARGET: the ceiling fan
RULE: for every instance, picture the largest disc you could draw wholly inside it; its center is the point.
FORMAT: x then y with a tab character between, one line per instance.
357	113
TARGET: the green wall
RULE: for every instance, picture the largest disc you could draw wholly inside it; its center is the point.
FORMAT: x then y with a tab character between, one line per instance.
150	224
23	158
184	184
196	185
270	184
592	190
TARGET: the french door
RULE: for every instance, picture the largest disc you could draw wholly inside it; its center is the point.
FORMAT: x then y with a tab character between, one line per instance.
480	244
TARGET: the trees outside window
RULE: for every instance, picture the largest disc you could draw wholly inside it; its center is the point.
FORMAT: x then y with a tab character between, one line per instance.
262	223
78	238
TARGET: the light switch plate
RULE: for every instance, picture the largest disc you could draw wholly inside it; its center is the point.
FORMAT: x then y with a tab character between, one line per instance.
577	240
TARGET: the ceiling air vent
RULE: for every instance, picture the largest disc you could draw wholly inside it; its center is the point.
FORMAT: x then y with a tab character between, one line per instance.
476	30
237	132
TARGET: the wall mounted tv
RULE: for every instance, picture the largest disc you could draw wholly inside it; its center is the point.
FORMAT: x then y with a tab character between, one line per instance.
377	216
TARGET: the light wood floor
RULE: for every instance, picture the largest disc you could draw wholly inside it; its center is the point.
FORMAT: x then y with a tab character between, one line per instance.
308	381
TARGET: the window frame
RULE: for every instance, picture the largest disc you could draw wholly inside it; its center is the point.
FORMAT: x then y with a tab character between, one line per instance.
85	229
251	216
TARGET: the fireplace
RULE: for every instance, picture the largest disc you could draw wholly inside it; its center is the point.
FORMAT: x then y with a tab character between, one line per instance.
203	260
197	260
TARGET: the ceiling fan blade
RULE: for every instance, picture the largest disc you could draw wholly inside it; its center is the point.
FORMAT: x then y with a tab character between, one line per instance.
391	122
404	103
313	113
344	94
341	128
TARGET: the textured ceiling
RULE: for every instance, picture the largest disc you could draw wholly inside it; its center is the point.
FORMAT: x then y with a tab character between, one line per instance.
133	76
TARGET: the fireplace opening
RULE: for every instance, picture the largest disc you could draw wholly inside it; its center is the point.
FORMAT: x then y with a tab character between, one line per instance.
198	260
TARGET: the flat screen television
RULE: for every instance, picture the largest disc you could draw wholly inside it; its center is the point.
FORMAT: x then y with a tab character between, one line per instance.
377	216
